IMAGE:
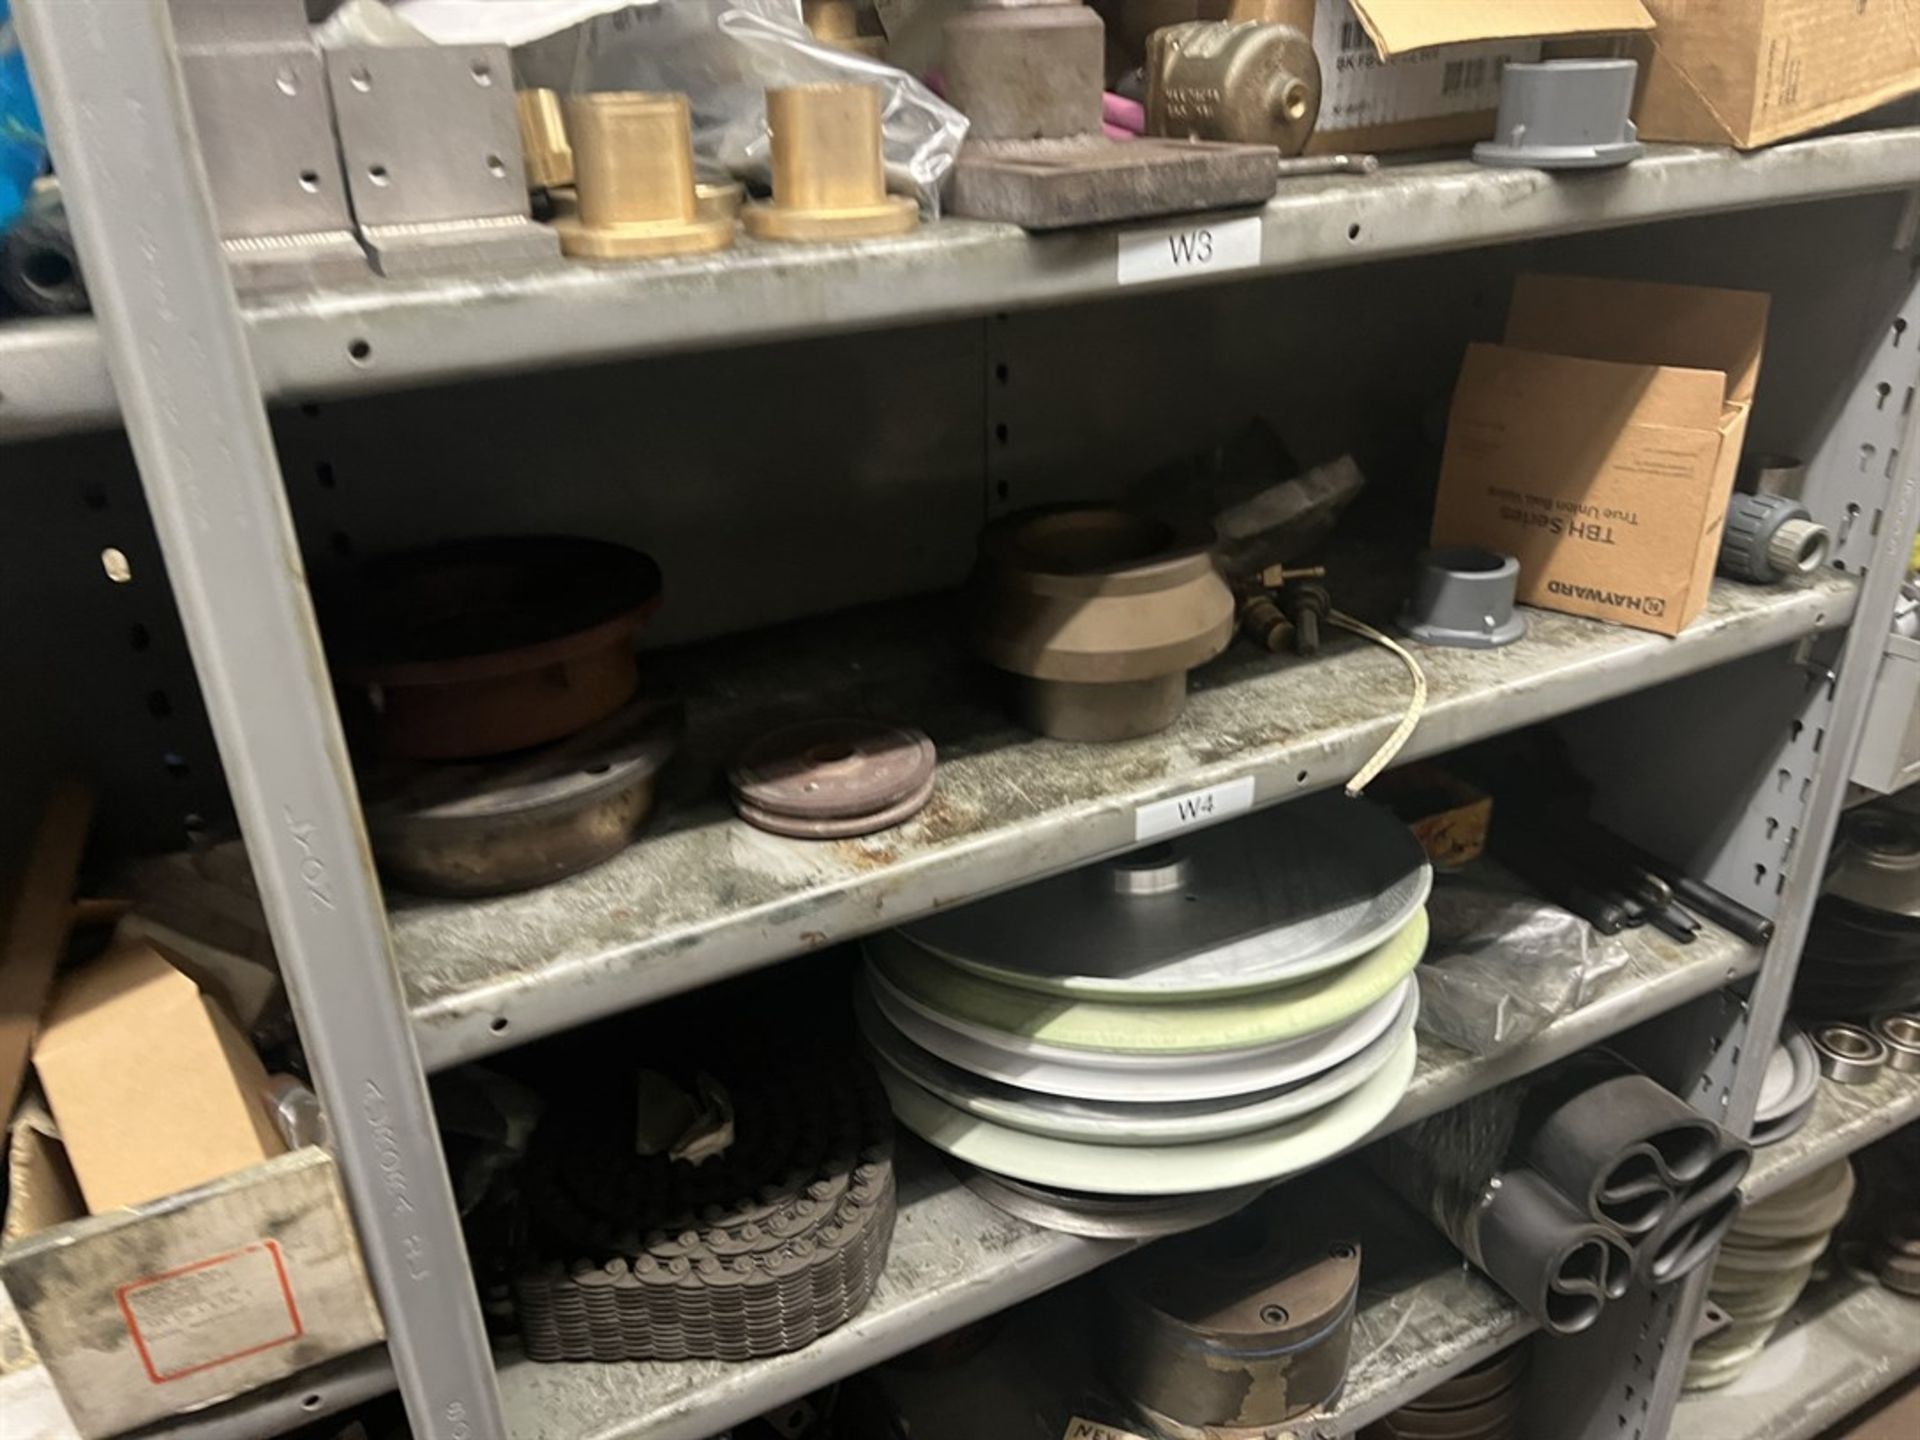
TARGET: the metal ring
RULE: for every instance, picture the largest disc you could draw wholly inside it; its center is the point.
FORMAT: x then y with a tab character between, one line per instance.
1900	1033
1849	1054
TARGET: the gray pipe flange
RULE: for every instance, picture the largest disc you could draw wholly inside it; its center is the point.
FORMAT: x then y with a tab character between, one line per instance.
1770	538
1564	115
1463	596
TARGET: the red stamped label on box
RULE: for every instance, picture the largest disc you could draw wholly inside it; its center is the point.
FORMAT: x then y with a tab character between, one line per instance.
211	1312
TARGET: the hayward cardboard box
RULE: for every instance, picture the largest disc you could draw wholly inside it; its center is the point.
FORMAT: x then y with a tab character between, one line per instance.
1412	74
1598	444
1750	72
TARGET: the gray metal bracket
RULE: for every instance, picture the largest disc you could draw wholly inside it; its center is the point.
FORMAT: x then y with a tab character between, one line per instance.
259	93
431	144
117	115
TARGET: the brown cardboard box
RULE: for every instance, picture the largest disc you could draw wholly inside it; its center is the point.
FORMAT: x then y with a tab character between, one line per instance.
1598	445
1410	74
33	930
153	1087
1750	72
168	1307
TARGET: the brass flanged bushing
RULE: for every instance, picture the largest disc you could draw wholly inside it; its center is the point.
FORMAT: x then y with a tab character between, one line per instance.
837	23
829	176
543	139
633	169
1250	82
1099	613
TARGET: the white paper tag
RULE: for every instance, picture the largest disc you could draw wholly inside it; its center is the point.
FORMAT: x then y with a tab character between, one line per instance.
1196	807
1205	248
1079	1429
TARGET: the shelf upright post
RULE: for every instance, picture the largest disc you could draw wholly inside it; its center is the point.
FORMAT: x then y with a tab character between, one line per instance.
110	87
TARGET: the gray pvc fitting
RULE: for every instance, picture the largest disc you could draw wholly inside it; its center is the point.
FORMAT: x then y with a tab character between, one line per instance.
1463	596
1771	537
1564	115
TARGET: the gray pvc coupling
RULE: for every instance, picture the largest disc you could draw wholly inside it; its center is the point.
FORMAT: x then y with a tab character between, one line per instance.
1771	537
1463	596
1564	115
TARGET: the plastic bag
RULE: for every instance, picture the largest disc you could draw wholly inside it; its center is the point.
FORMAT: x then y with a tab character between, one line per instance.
1502	963
23	143
724	55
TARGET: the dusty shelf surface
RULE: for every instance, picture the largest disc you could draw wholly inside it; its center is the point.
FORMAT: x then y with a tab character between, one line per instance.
1845	1118
1844	1343
956	1259
703	896
383	335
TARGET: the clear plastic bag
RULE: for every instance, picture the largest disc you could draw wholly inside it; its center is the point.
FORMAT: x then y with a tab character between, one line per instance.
724	55
1502	963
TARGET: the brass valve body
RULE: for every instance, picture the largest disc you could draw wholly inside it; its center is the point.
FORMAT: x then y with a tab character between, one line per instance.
543	139
829	177
1245	81
633	167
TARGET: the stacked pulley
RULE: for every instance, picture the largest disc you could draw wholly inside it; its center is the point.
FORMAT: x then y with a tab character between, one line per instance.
1764	1263
495	680
1479	1404
833	778
1192	1019
1788	1089
1862	956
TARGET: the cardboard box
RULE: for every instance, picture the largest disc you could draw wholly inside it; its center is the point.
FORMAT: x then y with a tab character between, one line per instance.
33	930
1411	74
187	1301
153	1087
1599	444
1750	72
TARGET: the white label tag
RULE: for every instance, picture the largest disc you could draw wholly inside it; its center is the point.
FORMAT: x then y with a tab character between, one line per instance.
1078	1429
1147	255
1197	807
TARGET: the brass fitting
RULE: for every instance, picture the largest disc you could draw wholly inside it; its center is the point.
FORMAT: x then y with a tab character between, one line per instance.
837	23
1250	82
633	167
719	199
543	139
829	177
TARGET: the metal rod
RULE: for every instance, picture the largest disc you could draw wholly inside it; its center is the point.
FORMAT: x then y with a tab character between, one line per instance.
116	110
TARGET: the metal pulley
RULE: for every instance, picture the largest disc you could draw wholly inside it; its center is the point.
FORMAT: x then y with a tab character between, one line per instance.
1100	612
1240	1326
1250	81
834	778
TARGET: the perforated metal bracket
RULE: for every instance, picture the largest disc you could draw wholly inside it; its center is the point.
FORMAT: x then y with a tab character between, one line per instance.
431	146
258	89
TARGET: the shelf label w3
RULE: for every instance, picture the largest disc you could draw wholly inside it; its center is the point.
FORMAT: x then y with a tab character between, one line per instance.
1196	807
1193	249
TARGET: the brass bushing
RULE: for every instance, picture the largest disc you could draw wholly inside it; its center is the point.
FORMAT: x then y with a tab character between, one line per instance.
543	139
719	199
829	175
633	168
1249	82
837	23
1099	613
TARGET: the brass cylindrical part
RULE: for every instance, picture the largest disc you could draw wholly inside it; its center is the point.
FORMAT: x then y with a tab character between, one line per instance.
543	138
632	157
633	169
826	146
837	23
829	174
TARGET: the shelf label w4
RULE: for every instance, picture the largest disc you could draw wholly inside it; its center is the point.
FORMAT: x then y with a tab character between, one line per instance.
1207	247
1196	807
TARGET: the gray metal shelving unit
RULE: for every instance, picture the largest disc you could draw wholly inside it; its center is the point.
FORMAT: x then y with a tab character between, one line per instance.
863	408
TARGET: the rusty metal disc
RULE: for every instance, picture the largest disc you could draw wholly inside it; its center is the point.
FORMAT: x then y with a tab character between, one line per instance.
841	827
821	776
